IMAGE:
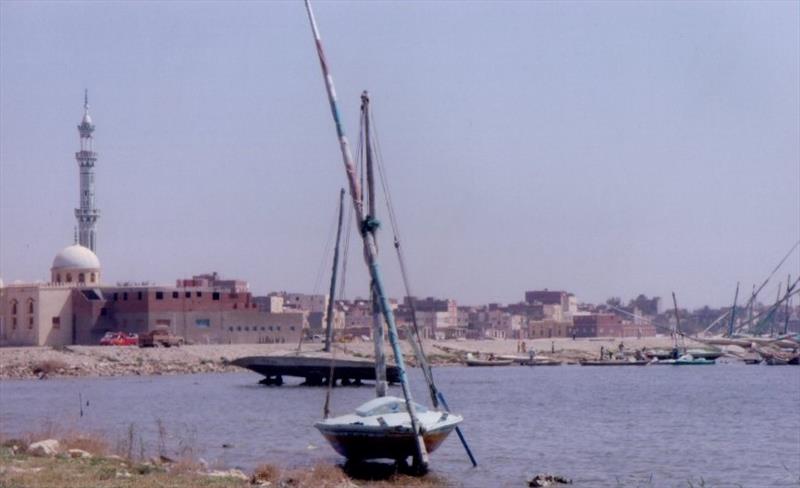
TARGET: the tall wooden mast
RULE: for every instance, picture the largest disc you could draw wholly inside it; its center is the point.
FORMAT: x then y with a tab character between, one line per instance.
367	228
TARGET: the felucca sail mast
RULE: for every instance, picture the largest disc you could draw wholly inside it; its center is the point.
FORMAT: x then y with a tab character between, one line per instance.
377	319
367	231
332	292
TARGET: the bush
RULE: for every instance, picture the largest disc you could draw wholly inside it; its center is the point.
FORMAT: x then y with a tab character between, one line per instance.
48	366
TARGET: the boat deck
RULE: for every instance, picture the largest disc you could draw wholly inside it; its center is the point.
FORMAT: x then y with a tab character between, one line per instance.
314	369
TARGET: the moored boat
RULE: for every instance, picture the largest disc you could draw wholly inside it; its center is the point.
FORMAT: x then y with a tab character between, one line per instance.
612	362
381	429
474	361
684	360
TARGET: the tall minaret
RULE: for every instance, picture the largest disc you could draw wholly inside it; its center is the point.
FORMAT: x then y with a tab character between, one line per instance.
87	214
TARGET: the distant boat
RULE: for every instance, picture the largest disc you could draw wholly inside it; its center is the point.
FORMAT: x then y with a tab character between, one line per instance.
473	361
612	362
684	360
315	369
697	352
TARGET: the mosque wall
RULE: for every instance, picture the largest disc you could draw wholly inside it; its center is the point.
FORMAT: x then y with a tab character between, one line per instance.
55	316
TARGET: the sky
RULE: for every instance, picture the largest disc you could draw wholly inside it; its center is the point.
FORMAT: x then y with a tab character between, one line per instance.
603	148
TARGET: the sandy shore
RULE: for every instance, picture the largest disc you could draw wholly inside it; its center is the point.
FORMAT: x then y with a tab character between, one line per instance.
34	362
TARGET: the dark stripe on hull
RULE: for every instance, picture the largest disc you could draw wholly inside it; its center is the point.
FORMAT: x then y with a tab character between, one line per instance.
360	446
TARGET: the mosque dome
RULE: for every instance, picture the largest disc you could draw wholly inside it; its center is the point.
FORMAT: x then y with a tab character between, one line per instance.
76	257
87	120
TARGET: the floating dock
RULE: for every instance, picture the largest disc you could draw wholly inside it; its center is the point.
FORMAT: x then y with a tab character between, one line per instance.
314	369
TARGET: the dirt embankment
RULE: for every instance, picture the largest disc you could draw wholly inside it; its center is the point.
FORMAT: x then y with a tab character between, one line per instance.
38	362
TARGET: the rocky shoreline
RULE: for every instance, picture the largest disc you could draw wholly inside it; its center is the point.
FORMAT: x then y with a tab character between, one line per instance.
101	361
82	461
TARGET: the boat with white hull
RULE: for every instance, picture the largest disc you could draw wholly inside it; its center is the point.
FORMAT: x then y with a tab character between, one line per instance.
381	429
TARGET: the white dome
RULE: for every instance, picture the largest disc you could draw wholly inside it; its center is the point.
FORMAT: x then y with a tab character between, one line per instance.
76	257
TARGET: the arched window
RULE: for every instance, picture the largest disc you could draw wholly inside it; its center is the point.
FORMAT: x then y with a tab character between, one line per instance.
69	277
30	306
92	277
81	278
13	307
58	278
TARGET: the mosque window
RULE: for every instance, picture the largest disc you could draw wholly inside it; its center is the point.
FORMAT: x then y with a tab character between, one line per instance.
215	295
188	294
69	277
125	295
56	322
199	294
13	307
239	328
30	306
139	295
92	278
58	278
13	323
30	322
159	295
81	278
230	329
174	294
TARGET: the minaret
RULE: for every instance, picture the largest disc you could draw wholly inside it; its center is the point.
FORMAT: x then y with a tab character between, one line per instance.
87	214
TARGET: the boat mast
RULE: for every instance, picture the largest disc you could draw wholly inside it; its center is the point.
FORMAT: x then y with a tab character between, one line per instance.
788	308
332	292
377	319
677	320
733	311
367	229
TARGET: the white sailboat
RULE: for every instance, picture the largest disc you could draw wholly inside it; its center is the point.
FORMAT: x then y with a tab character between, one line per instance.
385	427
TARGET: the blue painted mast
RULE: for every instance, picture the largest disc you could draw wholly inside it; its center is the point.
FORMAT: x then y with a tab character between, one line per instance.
367	228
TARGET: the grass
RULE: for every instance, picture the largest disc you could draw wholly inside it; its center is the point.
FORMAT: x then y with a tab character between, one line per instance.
119	467
22	471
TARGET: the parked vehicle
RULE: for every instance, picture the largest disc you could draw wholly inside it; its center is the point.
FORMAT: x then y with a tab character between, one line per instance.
158	337
119	339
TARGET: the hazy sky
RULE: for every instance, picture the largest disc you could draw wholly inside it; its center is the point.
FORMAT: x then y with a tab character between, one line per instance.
605	148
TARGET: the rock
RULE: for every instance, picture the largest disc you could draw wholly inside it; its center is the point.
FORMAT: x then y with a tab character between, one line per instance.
78	453
231	473
48	447
123	474
548	480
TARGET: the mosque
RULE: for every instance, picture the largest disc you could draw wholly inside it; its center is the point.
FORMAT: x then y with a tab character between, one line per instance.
75	307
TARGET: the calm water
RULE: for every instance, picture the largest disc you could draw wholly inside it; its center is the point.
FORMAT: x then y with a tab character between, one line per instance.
727	424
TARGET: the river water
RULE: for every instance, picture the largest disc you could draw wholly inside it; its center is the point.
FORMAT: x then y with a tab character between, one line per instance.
724	425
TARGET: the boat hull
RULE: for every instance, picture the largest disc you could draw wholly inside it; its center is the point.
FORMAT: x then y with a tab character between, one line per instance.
315	369
489	362
614	363
366	445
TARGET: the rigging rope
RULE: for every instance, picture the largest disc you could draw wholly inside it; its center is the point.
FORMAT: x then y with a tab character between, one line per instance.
415	337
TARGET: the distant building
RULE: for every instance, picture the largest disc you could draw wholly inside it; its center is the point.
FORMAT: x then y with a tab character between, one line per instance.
556	305
74	309
609	325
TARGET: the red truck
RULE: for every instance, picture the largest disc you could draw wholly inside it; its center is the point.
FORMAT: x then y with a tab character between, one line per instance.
119	339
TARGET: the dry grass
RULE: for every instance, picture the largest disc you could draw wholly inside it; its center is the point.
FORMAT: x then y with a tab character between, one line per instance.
91	443
48	366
